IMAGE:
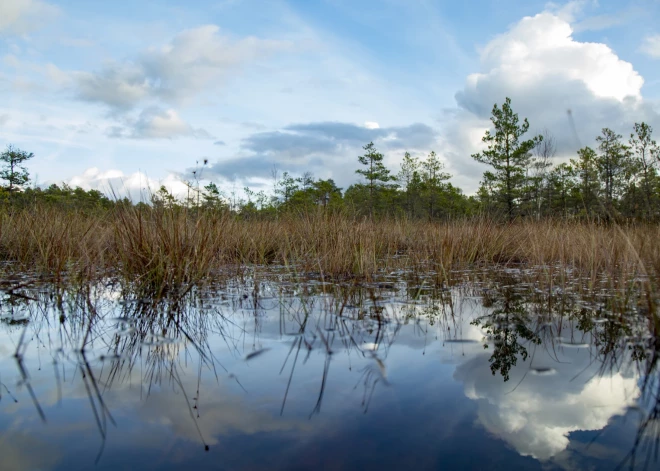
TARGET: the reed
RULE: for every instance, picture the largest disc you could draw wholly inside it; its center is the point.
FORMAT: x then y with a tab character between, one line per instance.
161	248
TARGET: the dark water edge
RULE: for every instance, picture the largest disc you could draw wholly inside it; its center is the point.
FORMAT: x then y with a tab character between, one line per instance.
495	371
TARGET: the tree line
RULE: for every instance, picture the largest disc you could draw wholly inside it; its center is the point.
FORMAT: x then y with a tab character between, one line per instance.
616	180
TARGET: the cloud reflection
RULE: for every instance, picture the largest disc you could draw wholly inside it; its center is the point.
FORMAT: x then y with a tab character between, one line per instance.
536	416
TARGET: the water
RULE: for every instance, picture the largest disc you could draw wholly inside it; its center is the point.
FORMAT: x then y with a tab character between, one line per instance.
277	374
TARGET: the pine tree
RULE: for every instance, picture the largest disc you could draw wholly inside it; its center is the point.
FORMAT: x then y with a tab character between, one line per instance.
375	173
646	154
409	179
433	179
508	154
613	165
587	180
13	171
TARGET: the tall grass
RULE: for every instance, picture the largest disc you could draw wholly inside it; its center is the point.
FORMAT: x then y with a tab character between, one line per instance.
165	248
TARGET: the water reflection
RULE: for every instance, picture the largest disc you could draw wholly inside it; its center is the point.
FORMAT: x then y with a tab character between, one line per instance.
300	366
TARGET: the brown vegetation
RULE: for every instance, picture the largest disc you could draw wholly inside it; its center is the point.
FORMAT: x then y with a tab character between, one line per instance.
168	247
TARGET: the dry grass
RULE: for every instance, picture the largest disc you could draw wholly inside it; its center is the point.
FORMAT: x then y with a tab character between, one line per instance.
160	249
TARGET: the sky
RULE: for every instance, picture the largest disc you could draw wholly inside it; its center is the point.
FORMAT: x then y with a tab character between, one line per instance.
133	95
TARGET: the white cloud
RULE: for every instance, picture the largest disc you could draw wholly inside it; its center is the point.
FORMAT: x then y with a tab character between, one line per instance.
197	57
651	46
195	60
546	72
533	417
22	16
157	123
136	186
371	125
542	46
4	119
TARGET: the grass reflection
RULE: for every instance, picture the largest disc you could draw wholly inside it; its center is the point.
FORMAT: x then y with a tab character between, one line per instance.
107	335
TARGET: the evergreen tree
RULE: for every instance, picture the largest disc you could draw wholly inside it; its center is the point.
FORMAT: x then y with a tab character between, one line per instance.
486	193
508	155
646	153
163	199
13	171
560	180
614	168
588	184
306	181
212	197
375	173
326	193
410	181
433	179
286	187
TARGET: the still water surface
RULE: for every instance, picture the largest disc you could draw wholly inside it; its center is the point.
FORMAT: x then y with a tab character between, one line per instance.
491	373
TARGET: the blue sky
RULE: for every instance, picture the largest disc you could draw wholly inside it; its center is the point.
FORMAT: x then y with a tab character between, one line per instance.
137	92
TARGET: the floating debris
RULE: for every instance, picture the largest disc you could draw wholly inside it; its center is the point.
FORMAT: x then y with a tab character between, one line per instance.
543	371
111	357
256	353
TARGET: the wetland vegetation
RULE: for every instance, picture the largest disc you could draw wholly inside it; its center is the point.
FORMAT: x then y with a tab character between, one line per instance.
400	318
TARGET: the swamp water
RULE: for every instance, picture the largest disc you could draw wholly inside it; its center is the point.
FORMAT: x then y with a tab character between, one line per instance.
490	373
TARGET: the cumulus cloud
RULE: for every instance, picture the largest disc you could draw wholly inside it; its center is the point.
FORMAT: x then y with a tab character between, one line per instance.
195	60
542	47
537	416
537	62
157	123
546	72
23	16
137	186
651	46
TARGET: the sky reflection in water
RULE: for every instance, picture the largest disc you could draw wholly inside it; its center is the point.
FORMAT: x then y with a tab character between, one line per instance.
277	375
